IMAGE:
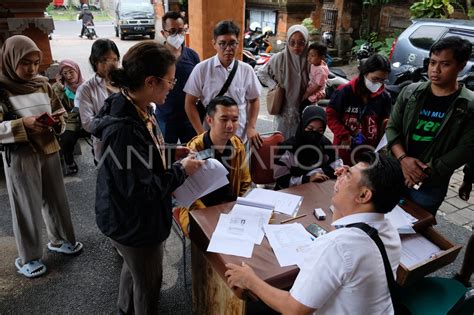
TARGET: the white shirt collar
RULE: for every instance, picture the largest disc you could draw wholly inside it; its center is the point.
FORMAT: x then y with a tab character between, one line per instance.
359	217
216	63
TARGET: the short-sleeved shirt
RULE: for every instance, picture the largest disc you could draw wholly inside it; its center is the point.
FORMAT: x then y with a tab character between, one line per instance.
173	108
344	272
429	122
209	76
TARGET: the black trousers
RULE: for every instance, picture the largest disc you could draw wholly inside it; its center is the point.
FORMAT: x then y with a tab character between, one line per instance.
67	141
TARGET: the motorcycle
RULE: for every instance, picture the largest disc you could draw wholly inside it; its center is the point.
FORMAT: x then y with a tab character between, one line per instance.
89	32
336	78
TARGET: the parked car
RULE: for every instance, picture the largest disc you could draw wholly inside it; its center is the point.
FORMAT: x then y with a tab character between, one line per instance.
134	17
413	45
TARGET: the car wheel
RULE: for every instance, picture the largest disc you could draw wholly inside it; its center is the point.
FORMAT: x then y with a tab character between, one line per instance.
152	36
116	32
122	36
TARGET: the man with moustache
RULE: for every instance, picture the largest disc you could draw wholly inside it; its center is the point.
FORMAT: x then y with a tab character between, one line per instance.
431	129
208	77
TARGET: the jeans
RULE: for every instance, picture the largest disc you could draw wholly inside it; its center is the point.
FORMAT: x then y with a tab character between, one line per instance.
429	197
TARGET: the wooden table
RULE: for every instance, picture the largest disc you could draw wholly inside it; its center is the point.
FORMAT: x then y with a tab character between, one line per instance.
211	295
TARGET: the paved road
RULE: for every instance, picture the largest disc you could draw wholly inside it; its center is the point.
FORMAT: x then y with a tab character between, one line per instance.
88	284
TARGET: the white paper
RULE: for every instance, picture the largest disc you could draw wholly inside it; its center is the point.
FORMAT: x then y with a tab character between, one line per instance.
401	220
234	235
417	249
290	242
262	215
255	203
211	176
283	202
383	142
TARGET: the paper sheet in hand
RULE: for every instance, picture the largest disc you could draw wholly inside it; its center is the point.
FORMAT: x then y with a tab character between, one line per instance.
234	235
289	242
401	220
283	202
263	215
417	249
383	142
211	176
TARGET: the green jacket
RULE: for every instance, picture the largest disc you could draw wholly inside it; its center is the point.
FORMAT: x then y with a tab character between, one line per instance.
452	147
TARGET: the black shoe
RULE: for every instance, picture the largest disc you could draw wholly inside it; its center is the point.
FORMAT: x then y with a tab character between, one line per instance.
80	36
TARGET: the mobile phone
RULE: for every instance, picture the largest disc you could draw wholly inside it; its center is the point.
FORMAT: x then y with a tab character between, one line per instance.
316	230
46	119
204	154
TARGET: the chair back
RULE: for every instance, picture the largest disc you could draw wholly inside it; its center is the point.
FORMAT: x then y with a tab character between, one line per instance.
261	160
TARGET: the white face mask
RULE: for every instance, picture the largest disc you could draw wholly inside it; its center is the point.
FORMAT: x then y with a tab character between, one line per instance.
373	87
175	40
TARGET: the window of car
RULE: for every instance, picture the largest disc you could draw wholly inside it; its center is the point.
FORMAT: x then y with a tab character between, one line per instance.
465	35
424	36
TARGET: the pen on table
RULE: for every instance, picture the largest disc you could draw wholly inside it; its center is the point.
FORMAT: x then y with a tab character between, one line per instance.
291	219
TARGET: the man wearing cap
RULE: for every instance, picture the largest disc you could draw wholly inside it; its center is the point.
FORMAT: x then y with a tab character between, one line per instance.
86	17
308	156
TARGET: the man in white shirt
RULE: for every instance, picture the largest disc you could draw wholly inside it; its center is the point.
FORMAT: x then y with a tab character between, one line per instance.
344	272
209	76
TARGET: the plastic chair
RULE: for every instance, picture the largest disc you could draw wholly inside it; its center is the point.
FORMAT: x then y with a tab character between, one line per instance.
261	160
433	295
179	231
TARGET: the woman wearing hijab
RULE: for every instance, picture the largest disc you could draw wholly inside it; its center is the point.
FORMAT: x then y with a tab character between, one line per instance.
289	69
357	110
308	156
30	148
68	80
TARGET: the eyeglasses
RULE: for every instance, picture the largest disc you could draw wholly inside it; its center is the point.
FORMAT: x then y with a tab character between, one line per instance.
223	45
174	31
109	61
172	82
297	43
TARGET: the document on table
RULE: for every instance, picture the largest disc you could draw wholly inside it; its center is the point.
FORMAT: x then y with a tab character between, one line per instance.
234	235
417	249
289	242
263	216
211	176
283	202
401	220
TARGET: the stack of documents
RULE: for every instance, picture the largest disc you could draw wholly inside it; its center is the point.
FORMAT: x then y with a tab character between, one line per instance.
211	176
236	233
282	202
290	242
417	249
401	220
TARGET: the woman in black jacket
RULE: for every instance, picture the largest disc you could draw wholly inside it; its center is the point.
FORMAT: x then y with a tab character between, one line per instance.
134	184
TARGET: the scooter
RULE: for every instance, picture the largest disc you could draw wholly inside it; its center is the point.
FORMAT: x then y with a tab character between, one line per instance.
89	32
336	78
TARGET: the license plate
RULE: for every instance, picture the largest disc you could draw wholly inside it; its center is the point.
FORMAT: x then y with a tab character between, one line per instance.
138	28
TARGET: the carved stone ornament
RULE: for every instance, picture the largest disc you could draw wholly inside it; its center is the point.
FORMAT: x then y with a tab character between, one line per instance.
18	25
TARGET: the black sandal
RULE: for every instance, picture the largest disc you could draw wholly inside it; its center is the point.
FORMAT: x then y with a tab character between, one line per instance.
72	169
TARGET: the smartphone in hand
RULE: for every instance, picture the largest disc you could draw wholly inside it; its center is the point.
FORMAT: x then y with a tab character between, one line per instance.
46	119
204	154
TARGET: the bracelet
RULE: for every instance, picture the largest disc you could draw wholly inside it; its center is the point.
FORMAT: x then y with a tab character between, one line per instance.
401	157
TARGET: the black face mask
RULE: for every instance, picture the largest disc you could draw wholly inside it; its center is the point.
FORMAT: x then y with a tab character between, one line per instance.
312	137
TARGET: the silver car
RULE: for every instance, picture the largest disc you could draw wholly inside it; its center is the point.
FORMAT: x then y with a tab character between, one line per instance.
413	45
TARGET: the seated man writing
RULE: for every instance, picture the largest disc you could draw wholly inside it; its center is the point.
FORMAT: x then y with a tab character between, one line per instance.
343	272
223	119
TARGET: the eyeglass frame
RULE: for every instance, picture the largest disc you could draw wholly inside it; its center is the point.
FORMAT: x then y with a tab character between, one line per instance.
297	43
170	82
231	44
177	31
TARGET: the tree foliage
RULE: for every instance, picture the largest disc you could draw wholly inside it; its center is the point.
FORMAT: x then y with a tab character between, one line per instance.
432	9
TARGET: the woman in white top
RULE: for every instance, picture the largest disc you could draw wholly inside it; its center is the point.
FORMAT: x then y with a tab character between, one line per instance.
289	68
91	95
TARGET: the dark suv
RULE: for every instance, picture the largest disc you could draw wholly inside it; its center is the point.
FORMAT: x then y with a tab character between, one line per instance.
413	45
134	17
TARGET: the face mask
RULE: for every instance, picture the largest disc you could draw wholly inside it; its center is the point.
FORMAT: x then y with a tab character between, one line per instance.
373	87
312	137
175	40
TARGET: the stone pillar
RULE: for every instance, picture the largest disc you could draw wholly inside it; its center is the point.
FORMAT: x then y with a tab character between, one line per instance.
22	17
204	15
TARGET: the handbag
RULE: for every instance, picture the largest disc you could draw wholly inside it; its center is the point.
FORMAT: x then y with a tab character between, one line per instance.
202	109
394	288
275	99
